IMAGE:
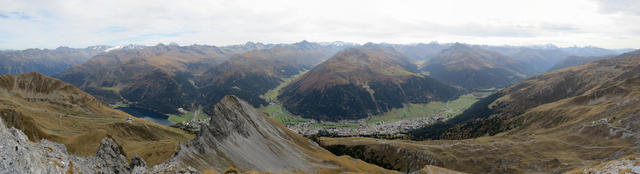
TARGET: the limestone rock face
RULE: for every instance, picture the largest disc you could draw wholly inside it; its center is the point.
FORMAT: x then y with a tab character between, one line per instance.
239	136
18	155
137	161
110	157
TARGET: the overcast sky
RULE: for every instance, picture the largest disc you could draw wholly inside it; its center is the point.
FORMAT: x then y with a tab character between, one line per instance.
81	23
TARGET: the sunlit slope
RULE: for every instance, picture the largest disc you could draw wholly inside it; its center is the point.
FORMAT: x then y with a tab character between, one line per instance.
47	108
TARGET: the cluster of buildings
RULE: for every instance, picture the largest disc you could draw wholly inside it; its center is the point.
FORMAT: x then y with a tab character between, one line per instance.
192	125
343	128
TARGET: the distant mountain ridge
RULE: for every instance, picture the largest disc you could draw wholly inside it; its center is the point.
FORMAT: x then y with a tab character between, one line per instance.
361	81
420	51
577	60
163	78
474	67
46	61
153	78
251	74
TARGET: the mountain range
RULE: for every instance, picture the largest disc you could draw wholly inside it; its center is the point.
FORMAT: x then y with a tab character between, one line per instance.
556	122
251	74
163	78
46	61
580	114
577	60
474	68
152	78
159	80
362	81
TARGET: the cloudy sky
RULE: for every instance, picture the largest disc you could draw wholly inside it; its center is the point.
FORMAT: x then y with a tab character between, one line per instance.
81	23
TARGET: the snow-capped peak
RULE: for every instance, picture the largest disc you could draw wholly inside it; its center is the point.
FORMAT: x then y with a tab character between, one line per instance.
130	46
113	48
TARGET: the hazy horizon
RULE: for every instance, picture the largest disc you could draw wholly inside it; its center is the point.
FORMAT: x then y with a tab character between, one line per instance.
255	42
75	23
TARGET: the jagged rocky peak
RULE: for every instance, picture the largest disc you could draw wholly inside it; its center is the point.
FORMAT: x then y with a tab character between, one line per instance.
19	155
459	45
240	137
110	159
304	44
234	117
110	154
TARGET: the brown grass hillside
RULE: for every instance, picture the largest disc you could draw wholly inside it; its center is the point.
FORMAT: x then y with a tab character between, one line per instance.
552	123
358	66
47	108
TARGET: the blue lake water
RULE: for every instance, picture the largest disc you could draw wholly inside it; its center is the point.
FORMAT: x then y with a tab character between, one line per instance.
147	115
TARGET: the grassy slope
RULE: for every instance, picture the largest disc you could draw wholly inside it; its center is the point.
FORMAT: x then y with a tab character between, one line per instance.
272	95
81	132
412	111
488	154
81	126
187	116
562	132
275	109
280	114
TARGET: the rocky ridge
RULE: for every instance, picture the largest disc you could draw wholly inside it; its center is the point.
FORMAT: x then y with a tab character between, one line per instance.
18	155
241	137
47	108
238	138
619	166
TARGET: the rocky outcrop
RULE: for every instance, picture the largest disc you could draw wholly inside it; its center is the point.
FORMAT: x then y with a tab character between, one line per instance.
110	154
618	166
241	137
18	155
137	161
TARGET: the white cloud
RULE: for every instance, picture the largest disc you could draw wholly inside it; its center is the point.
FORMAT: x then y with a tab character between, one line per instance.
79	23
619	6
